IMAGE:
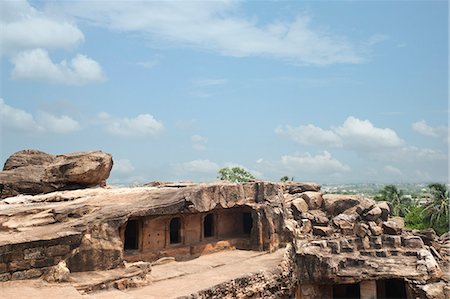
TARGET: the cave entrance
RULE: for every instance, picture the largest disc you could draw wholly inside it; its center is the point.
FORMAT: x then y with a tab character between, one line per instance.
175	230
132	235
391	288
208	226
247	221
346	291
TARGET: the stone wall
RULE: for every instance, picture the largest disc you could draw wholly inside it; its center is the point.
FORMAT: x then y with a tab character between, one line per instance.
31	259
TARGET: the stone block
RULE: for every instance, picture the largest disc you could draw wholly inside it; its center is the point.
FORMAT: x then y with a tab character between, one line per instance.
19	265
323	231
375	229
313	199
27	274
382	253
11	256
46	262
412	242
373	214
5	277
335	246
306	226
34	253
361	229
57	250
392	228
3	267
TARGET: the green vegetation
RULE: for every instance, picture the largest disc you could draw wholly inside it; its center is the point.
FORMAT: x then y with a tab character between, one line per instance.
235	174
433	213
284	179
400	203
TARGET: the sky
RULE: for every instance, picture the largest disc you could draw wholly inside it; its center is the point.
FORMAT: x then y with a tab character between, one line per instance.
326	91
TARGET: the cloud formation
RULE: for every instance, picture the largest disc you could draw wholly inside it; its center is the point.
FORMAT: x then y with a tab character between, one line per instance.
37	65
220	26
354	133
18	119
139	126
25	28
322	164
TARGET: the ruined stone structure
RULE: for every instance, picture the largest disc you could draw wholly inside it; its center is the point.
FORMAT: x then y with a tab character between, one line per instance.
333	246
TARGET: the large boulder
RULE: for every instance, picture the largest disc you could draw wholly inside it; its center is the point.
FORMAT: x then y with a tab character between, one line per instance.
335	204
34	172
298	187
313	199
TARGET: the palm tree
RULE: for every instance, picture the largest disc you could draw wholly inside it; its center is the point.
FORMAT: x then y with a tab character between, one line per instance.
437	210
400	204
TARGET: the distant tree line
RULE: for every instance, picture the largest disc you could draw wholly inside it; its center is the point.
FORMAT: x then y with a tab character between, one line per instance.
432	213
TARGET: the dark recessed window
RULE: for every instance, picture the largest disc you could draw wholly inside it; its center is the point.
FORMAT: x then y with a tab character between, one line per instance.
175	228
132	235
208	226
247	223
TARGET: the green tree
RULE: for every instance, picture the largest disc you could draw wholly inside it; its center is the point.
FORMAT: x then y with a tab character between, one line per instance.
415	219
235	174
284	179
400	204
437	209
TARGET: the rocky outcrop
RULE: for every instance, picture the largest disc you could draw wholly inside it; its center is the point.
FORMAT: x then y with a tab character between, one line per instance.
35	172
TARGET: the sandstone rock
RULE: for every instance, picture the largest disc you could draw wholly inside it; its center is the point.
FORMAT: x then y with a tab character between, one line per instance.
361	229
364	206
385	210
299	205
375	229
317	217
399	220
336	204
58	273
345	223
306	226
313	199
294	187
34	172
373	214
391	228
323	231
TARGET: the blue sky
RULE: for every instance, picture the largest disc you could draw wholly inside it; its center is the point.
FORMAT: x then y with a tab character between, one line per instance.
329	91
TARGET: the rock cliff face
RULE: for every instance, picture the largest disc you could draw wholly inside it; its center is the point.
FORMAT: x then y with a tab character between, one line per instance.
35	172
329	239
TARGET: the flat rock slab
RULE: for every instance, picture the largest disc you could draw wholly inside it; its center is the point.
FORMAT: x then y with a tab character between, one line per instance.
36	289
183	278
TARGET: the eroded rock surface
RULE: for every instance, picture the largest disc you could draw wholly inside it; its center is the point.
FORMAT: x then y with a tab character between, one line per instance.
35	172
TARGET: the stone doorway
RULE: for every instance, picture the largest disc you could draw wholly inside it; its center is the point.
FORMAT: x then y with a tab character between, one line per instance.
132	235
175	230
391	288
208	226
247	222
346	291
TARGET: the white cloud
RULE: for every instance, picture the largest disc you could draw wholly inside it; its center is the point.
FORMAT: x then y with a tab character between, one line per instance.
423	128
318	164
363	134
199	142
353	133
18	119
204	166
139	126
310	135
391	170
221	26
58	124
37	65
122	167
23	27
203	82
